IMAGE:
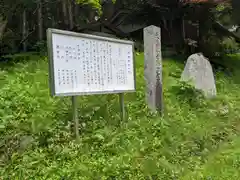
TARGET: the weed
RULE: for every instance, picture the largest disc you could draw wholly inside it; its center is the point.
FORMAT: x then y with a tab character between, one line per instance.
194	139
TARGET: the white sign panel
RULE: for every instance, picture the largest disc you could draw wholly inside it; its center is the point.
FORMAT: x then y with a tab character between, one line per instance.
83	64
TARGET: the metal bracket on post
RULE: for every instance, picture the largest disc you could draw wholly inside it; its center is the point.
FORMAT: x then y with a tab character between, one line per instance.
75	116
121	101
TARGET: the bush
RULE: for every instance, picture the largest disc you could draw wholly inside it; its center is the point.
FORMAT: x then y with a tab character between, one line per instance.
215	46
8	42
229	45
41	47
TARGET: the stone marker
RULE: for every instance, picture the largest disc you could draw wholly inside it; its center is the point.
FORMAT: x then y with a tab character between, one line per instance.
199	70
153	67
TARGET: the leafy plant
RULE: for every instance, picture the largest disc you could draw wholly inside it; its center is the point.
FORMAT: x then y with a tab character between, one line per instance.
230	46
41	47
187	93
192	137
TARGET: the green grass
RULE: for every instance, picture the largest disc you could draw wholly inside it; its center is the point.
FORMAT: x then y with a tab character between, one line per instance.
196	138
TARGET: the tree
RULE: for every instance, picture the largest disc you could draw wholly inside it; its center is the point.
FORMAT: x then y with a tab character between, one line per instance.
236	11
23	22
96	4
3	24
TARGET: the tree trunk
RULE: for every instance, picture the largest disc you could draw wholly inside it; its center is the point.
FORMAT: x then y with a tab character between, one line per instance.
76	12
40	21
53	23
70	14
171	33
200	36
24	30
184	46
50	17
3	24
236	9
183	29
65	15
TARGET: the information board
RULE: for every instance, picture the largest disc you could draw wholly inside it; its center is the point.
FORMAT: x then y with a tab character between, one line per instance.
82	64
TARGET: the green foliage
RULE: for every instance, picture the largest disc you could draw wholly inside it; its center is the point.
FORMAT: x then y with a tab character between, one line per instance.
187	93
221	164
215	45
223	13
36	141
8	44
212	45
41	47
230	46
214	41
96	4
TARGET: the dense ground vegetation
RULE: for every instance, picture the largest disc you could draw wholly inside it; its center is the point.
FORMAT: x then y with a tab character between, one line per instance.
195	139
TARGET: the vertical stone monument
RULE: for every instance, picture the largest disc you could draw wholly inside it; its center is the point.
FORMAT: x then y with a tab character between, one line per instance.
153	68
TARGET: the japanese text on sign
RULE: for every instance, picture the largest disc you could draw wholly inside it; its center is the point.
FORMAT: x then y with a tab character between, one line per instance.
87	64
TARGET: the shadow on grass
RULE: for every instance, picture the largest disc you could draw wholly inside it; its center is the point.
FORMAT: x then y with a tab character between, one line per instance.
228	64
7	62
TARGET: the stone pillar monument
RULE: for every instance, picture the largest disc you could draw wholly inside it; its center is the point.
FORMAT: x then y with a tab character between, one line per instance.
153	68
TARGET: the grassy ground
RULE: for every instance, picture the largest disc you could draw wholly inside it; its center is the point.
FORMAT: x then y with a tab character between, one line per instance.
196	139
